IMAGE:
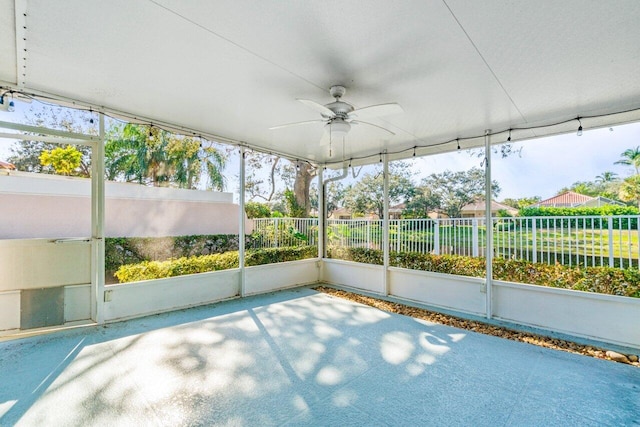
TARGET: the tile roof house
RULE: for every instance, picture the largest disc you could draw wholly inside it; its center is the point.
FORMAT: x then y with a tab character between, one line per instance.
570	199
478	209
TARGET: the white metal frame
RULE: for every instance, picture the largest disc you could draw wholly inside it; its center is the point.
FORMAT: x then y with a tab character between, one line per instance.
489	227
241	225
384	279
96	143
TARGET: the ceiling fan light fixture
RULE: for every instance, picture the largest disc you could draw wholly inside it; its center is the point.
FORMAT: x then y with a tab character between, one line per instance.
338	128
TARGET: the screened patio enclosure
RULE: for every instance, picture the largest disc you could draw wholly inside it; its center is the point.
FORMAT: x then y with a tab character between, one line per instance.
465	74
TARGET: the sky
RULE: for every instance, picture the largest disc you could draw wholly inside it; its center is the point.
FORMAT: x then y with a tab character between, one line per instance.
546	165
542	167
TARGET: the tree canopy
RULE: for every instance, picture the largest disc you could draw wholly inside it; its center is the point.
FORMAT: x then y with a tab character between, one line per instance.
423	202
366	195
152	156
334	195
26	154
522	202
607	184
630	189
295	177
133	153
457	189
65	161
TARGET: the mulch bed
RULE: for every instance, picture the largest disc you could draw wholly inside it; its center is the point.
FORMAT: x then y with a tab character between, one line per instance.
483	328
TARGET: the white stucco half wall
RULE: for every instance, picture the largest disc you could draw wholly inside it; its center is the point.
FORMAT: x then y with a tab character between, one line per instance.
49	206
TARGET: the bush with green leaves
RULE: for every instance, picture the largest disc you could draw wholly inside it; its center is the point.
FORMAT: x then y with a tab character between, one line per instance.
617	212
257	210
129	250
605	280
147	270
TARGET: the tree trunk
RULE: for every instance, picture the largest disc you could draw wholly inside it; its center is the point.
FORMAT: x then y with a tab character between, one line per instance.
304	174
274	166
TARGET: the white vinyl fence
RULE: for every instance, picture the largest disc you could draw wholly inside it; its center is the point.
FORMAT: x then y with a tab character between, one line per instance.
354	233
586	240
282	232
581	240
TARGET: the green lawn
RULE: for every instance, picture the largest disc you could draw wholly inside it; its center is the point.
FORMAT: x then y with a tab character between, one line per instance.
573	247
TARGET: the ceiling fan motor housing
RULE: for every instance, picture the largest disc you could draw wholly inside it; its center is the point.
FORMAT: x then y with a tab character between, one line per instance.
338	116
337	91
340	108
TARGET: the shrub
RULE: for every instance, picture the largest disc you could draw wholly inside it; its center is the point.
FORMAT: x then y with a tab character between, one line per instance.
609	210
602	211
147	270
130	250
605	280
257	210
274	255
364	255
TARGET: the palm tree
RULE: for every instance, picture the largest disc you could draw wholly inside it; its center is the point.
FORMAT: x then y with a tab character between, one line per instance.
630	157
607	177
136	153
152	156
191	160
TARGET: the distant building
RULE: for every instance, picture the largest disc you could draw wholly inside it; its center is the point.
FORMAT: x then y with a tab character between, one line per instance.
478	209
395	212
7	166
341	213
570	199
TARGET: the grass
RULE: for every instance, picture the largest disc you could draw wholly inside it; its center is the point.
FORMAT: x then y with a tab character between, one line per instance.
589	246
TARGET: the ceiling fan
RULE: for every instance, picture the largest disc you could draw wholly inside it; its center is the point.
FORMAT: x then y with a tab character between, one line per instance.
338	116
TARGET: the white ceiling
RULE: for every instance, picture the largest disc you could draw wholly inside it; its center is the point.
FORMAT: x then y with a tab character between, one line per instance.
234	68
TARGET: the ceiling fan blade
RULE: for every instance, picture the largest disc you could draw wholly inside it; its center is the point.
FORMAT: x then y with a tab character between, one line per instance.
360	122
318	107
377	111
288	125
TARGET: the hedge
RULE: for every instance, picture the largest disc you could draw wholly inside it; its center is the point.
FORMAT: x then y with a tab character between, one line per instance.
147	270
130	250
604	280
603	212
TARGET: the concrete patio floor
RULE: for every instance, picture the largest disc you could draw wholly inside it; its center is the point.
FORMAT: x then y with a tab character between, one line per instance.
299	357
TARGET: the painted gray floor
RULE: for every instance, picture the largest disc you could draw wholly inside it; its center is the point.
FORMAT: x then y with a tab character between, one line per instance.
302	358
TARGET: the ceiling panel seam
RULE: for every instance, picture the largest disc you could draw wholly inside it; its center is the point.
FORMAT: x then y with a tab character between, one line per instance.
495	76
226	39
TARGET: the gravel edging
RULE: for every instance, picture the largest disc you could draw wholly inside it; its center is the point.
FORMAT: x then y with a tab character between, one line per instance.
483	328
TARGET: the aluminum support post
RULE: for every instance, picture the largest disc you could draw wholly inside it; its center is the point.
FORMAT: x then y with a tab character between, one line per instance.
241	223
488	222
97	226
385	222
322	214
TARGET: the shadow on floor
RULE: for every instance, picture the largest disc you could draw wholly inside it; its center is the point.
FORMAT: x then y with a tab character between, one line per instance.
301	358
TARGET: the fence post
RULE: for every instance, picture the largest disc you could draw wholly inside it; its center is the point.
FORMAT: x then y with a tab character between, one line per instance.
368	234
474	237
638	231
276	231
534	232
610	229
436	236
